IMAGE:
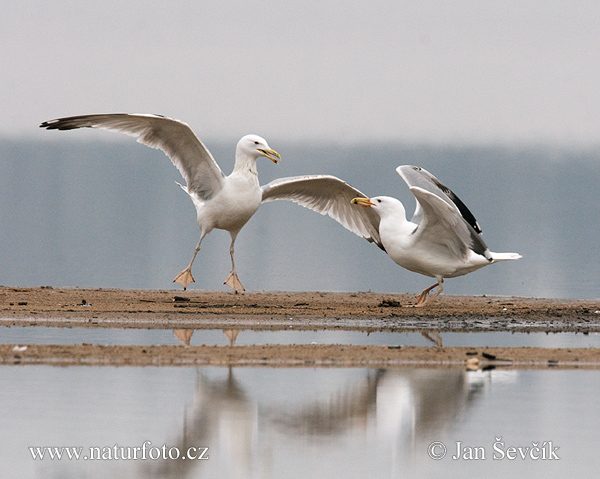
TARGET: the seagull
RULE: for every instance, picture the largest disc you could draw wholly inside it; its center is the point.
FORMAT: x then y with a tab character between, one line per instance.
223	202
442	240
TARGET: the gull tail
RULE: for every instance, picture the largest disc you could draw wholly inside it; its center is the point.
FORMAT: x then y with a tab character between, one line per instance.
504	256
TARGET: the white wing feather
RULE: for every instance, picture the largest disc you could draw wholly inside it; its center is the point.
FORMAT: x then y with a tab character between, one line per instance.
327	195
193	160
441	218
417	176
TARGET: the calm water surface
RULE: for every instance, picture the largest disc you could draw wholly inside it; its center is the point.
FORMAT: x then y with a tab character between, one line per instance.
298	423
217	337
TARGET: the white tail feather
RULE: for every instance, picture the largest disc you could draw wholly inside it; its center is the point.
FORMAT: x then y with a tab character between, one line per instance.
504	256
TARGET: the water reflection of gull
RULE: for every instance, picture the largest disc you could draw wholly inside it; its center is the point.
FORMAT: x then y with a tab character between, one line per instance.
401	408
433	336
415	403
185	335
232	335
223	418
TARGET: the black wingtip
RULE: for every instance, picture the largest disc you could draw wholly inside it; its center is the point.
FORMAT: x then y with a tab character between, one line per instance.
50	125
464	211
58	125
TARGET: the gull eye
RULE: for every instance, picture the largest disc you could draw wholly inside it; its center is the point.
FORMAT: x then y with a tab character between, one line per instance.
256	142
378	201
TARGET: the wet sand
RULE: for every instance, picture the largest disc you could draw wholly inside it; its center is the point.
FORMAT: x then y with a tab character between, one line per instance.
176	309
309	355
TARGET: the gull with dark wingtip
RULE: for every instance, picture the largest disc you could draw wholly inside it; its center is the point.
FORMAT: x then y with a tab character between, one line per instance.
228	202
443	238
223	202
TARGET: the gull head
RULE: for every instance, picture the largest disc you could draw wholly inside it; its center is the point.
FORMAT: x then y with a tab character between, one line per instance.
383	205
255	146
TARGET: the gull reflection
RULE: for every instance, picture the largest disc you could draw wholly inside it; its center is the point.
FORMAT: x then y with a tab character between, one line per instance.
185	335
395	403
245	421
232	335
433	336
221	417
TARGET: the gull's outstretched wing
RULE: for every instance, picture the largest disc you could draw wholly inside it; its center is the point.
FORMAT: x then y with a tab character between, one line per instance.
327	195
442	224
417	176
193	160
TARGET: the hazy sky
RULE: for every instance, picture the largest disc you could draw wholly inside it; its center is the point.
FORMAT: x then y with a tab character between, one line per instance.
427	71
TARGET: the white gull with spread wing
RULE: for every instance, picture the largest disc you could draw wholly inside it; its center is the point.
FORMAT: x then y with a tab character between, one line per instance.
443	238
228	202
223	202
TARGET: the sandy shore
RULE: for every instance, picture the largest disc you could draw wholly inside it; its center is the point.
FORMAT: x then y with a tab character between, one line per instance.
175	309
279	310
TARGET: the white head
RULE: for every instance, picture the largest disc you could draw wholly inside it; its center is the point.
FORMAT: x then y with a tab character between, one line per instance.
254	146
384	206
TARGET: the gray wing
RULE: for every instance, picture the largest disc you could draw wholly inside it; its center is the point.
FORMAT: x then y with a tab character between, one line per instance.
417	176
443	224
327	195
195	163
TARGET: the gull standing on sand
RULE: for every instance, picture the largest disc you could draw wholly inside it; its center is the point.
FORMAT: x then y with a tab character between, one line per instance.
223	202
445	243
441	241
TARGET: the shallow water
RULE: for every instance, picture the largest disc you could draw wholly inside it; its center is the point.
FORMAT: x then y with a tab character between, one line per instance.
138	422
217	337
298	423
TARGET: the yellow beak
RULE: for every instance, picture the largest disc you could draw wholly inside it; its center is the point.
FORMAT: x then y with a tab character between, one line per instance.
362	201
271	155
